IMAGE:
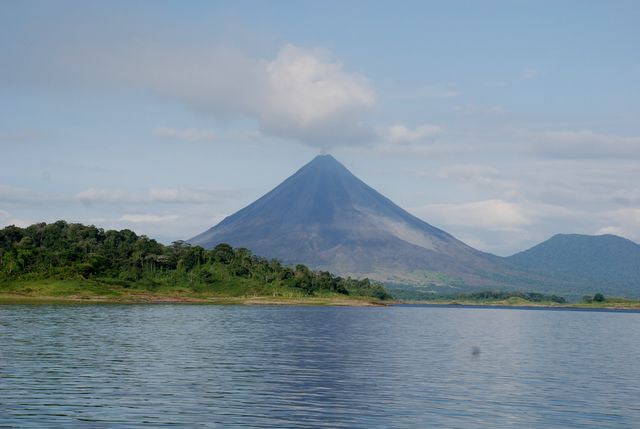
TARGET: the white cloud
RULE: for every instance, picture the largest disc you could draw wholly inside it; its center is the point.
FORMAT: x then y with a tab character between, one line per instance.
479	175
493	225
433	150
147	218
504	227
585	144
7	219
186	134
186	195
401	134
494	214
311	98
152	195
623	222
301	94
94	195
164	227
614	230
583	196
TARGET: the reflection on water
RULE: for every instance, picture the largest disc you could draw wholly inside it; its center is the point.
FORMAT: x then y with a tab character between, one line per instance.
232	366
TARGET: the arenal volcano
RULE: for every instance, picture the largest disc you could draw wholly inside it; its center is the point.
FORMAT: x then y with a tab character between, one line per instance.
325	217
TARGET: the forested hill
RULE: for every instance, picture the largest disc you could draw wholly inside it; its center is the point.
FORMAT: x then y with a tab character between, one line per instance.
605	263
62	251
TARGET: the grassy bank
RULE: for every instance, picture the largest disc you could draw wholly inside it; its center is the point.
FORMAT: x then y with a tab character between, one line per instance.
621	303
90	291
513	299
247	293
611	303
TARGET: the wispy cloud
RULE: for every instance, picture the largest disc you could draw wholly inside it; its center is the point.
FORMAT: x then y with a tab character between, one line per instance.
191	135
302	94
526	75
485	177
475	109
495	214
585	144
163	226
7	219
626	196
434	149
623	222
430	91
148	218
152	195
501	225
91	196
11	193
531	74
401	134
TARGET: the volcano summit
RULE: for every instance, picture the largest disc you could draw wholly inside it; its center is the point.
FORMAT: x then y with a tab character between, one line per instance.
325	217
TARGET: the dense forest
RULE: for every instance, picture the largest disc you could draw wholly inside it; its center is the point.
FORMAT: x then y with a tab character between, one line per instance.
64	250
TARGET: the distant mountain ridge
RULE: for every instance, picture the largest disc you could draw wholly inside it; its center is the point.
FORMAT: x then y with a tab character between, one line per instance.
606	262
325	217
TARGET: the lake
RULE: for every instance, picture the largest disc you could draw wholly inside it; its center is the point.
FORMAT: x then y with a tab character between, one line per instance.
205	366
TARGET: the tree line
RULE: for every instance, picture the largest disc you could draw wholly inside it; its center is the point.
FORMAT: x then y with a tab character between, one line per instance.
64	250
416	294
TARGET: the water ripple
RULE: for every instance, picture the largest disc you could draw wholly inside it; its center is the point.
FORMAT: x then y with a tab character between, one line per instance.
310	367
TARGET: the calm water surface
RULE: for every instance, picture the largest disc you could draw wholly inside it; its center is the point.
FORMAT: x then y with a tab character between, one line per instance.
106	366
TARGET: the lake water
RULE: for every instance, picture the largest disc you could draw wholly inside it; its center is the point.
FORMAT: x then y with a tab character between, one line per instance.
129	366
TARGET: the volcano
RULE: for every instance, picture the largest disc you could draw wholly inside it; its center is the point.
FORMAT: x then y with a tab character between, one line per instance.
325	217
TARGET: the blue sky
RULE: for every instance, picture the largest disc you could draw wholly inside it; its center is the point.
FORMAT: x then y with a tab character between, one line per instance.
502	122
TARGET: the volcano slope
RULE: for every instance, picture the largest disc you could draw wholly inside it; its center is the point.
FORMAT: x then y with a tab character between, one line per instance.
325	217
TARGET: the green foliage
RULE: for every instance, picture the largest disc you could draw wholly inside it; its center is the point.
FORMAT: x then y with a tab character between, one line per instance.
62	251
482	296
588	299
504	295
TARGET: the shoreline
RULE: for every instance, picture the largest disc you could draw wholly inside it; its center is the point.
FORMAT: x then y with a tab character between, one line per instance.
153	299
82	291
50	291
630	305
157	299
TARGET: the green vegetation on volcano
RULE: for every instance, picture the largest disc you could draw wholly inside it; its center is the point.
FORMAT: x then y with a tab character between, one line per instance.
60	260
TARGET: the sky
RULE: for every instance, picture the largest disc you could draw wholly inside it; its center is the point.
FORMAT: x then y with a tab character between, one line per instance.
501	122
